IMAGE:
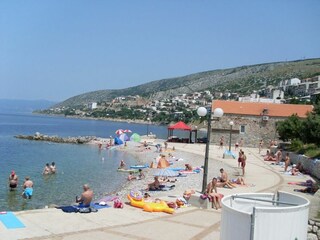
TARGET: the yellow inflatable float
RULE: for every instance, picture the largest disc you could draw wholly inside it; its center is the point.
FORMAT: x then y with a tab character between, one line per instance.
136	200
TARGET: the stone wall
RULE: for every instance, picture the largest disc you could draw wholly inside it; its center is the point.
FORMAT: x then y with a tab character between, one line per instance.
313	230
255	130
311	165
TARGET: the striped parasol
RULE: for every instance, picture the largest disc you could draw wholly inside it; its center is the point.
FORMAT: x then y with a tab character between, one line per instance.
166	173
119	131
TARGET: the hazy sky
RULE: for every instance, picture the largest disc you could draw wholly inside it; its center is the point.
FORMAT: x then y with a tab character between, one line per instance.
53	50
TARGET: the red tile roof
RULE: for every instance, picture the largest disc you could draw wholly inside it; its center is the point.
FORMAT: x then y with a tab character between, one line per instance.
256	109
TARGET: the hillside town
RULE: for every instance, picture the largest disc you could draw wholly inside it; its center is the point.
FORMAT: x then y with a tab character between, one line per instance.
183	106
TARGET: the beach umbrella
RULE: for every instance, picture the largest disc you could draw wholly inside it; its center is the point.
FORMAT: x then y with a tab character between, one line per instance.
135	137
127	131
119	131
124	137
166	173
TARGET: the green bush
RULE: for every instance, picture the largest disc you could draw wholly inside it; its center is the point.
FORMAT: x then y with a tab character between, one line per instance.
296	145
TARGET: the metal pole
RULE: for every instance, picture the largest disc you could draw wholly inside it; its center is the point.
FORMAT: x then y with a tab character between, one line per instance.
148	128
206	156
230	138
264	200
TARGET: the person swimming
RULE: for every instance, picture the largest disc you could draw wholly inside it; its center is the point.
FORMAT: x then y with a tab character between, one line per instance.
53	167
46	169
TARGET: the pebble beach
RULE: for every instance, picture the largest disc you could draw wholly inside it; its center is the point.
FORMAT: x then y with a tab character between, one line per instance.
175	154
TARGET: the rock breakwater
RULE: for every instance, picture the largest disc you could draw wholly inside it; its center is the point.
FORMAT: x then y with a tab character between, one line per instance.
74	140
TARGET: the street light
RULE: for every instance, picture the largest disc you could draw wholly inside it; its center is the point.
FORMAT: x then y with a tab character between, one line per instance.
217	113
148	119
231	125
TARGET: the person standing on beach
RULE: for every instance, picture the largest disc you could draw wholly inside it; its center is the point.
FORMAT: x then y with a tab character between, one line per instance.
240	158
286	162
243	162
86	197
278	156
28	188
221	142
260	145
165	145
241	143
13	180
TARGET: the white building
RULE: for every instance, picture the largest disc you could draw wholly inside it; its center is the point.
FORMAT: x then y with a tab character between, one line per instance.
92	105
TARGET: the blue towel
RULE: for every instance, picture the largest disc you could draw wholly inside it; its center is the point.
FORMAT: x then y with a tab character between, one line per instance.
11	221
68	209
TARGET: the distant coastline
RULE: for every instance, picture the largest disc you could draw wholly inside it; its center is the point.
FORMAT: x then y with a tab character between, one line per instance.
137	121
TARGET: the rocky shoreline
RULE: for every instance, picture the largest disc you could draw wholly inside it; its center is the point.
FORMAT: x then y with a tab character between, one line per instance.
73	140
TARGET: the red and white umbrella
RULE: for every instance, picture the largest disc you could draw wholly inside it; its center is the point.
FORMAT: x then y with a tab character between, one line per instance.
127	131
119	131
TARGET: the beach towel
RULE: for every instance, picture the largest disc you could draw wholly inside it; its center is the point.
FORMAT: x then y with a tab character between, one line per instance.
163	188
68	209
305	184
76	209
10	221
99	206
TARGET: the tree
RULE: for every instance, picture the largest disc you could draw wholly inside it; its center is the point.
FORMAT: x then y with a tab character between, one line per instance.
290	128
311	129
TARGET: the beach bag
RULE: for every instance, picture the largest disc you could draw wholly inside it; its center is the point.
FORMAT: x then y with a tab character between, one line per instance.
203	196
172	205
117	203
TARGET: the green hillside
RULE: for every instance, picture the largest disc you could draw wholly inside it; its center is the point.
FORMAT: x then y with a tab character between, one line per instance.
241	80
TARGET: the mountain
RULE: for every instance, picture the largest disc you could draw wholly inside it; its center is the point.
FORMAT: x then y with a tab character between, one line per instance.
242	80
23	106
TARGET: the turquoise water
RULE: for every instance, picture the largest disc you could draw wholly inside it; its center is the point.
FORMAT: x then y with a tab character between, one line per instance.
76	164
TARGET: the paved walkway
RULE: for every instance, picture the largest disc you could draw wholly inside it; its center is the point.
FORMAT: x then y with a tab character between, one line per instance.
133	223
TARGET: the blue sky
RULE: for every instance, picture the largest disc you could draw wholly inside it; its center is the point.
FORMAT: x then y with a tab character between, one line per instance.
57	49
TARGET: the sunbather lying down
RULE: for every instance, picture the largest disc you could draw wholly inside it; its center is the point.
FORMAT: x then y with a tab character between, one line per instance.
154	186
310	189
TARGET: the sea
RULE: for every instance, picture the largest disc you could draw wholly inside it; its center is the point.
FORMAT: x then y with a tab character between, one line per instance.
76	164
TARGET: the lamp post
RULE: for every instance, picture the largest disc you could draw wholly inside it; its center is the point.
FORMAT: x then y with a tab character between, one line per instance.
217	113
231	125
148	119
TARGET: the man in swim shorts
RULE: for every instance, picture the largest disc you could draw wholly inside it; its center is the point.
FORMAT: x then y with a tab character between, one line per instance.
28	188
86	197
13	180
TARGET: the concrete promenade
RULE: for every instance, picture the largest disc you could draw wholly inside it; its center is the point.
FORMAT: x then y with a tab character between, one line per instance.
133	223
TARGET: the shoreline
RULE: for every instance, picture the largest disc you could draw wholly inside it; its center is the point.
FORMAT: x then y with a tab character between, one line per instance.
99	119
261	177
192	181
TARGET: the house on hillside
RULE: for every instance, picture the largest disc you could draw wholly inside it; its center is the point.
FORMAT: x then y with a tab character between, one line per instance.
253	121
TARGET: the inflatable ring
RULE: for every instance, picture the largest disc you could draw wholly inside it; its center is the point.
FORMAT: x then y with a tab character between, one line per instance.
136	195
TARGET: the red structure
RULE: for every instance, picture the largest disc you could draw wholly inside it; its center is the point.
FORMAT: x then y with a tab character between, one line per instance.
182	127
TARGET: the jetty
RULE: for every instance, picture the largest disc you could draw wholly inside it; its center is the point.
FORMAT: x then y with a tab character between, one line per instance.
42	137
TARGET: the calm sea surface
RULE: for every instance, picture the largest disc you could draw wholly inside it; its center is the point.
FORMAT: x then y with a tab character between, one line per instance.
76	164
